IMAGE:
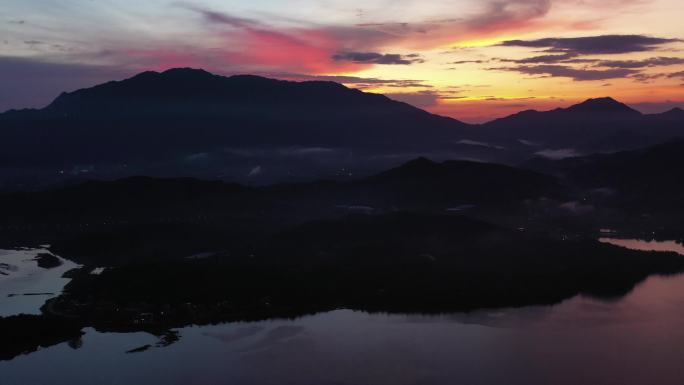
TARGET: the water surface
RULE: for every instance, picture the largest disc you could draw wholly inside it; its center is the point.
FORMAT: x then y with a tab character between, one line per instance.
24	286
635	340
646	245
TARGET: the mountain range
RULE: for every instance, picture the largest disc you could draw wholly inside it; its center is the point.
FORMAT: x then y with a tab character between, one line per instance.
642	180
187	122
142	217
428	235
595	125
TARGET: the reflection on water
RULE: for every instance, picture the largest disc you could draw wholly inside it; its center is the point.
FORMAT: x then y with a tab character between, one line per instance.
24	286
637	340
643	245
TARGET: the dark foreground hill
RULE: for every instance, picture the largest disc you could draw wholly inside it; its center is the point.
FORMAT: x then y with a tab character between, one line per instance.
134	217
639	192
646	178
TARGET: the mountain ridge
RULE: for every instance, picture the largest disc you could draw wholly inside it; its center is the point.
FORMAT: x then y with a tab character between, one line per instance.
160	120
189	122
186	74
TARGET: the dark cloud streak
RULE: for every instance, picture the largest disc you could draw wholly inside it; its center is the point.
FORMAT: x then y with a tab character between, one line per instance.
578	74
469	62
546	59
651	62
594	45
566	51
353	81
378	58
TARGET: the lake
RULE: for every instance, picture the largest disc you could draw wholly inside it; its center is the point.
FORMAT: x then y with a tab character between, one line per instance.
644	245
24	286
637	339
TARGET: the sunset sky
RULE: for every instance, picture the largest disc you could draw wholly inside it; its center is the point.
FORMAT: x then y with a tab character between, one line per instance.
470	59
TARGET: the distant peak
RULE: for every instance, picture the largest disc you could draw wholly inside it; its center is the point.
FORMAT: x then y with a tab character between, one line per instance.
605	99
672	113
173	74
186	72
604	104
600	102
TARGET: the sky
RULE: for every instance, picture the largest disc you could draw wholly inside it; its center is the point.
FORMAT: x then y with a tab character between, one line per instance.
474	60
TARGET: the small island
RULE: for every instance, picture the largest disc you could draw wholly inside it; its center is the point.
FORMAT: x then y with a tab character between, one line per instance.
47	261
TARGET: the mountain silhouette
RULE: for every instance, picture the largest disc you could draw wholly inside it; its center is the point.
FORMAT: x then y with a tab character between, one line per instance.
644	180
189	122
602	107
183	111
141	218
673	114
469	182
418	184
595	125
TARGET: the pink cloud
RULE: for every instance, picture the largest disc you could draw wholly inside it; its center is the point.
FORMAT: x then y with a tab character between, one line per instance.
252	45
311	49
307	51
